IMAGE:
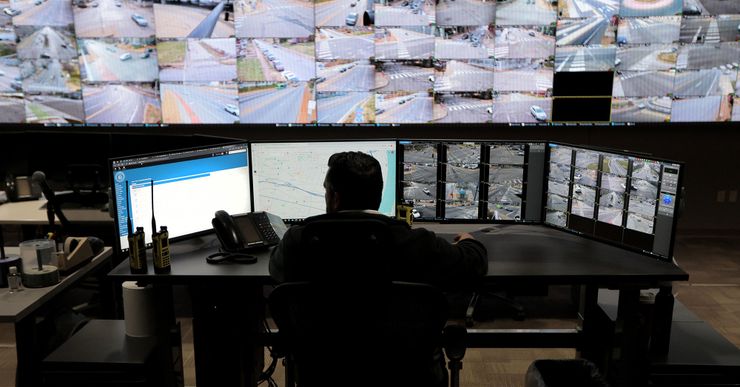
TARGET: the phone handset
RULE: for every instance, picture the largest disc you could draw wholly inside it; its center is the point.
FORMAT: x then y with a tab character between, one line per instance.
233	245
242	233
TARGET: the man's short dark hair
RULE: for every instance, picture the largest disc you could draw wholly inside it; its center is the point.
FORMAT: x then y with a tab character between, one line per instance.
358	178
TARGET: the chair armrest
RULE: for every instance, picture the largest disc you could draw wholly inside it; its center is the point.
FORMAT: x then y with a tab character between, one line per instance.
455	342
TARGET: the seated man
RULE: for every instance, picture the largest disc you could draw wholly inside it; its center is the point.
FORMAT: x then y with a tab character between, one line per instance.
354	185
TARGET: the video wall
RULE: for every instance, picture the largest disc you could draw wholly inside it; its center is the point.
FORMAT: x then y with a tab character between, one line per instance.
368	61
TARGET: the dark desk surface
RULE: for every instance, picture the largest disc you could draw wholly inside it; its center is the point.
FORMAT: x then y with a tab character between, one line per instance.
517	254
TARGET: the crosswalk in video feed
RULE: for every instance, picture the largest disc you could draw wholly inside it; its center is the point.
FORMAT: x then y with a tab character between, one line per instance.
663	61
462	180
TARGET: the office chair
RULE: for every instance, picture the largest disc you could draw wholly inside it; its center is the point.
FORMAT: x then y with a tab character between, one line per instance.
346	323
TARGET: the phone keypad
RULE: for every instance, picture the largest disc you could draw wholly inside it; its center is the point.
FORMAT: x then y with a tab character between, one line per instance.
265	228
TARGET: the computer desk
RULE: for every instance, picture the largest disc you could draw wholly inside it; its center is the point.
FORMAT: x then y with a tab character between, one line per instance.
33	212
23	307
228	303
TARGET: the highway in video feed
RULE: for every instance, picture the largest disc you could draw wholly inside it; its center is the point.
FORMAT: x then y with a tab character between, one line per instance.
49	109
611	199
50	76
643	83
465	109
589	31
696	109
465	12
201	60
109	60
702	56
345	107
722	28
194	104
55	13
300	63
460	46
630	8
517	107
124	104
582	208
115	19
525	12
643	189
522	75
613	182
659	29
400	76
413	13
181	20
274	18
699	83
46	43
403	43
413	108
344	44
652	57
12	109
584	58
346	76
418	191
641	109
333	13
614	165
10	72
519	42
462	76
276	104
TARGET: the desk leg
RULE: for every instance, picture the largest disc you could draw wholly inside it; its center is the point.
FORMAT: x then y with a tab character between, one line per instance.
26	374
587	310
662	321
227	319
630	342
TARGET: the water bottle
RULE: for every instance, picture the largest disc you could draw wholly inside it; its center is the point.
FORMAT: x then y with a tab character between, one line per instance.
14	280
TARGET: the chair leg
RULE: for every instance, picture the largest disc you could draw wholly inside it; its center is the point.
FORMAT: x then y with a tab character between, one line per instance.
454	366
289	372
469	321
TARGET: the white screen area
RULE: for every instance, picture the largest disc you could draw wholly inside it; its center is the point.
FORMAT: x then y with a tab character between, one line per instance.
186	203
289	177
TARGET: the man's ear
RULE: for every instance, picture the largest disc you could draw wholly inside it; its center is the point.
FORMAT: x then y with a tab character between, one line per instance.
336	201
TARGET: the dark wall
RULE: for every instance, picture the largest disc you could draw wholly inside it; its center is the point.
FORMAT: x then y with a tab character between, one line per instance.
711	151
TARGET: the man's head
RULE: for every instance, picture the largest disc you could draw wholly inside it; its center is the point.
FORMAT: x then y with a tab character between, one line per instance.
353	182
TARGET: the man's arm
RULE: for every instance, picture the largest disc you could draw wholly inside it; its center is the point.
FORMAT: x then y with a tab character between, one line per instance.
280	254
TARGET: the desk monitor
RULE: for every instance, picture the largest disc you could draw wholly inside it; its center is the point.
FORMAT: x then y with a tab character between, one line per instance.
473	180
619	197
189	187
289	176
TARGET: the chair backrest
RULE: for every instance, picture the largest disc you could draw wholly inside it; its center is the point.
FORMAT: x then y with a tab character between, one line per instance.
348	318
344	249
383	335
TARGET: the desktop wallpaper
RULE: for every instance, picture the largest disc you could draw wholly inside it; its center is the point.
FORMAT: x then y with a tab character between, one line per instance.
368	61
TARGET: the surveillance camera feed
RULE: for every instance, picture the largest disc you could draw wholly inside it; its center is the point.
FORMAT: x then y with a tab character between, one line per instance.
625	199
419	181
365	61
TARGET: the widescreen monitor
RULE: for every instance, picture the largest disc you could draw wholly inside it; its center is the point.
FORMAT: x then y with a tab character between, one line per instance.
187	186
461	180
368	61
288	177
624	198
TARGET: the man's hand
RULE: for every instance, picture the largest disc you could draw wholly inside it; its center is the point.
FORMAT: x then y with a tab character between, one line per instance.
462	236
